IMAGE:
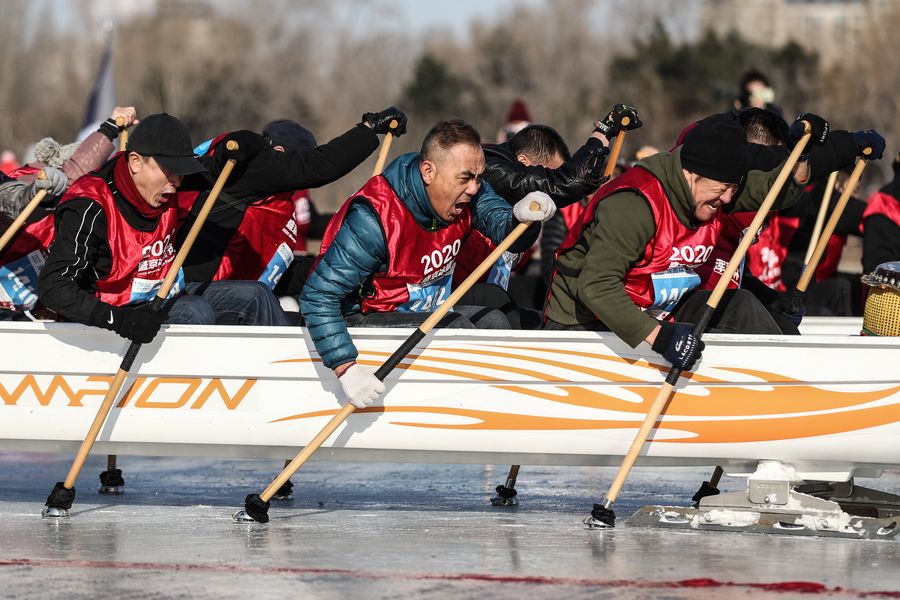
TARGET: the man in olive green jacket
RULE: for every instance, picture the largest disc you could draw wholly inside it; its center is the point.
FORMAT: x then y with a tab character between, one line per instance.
630	263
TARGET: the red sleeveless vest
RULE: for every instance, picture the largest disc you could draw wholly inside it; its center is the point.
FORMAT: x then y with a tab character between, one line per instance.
571	214
667	270
420	267
766	257
302	219
140	259
21	263
262	246
24	170
23	259
881	203
828	266
733	227
478	247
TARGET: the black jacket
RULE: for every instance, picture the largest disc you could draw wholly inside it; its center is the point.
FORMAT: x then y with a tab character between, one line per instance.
267	173
578	177
80	254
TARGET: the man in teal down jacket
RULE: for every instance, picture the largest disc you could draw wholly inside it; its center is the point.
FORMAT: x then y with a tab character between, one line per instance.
388	254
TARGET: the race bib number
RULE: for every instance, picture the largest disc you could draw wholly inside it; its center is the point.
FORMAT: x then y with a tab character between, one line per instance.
18	282
669	287
143	290
426	297
502	269
278	264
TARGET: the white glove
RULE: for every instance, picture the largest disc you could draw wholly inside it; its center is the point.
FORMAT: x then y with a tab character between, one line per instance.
535	206
360	385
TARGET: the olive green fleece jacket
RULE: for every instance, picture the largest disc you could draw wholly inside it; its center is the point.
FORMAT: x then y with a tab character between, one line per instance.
615	241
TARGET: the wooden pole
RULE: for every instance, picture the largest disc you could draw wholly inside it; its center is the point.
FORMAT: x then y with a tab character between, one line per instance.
385	148
134	347
810	269
613	157
820	218
123	134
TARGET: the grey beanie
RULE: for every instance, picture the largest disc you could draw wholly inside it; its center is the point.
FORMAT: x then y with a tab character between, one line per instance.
52	154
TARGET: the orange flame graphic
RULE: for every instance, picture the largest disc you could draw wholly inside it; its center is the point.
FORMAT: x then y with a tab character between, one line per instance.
783	412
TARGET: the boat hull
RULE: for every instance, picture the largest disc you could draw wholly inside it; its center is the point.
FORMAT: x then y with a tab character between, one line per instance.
828	404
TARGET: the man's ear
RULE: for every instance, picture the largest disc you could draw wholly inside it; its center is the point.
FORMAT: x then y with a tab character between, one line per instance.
135	164
524	160
428	170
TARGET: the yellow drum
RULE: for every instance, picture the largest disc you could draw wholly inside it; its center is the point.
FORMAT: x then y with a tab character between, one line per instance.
882	313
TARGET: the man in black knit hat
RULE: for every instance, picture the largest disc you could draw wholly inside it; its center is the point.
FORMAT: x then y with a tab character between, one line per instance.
629	265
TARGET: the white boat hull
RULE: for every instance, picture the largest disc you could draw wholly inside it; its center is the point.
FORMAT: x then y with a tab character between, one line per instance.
828	404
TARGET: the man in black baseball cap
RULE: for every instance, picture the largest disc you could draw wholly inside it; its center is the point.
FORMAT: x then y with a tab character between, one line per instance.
114	239
167	140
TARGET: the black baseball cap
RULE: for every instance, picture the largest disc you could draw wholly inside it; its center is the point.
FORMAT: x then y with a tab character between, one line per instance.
168	141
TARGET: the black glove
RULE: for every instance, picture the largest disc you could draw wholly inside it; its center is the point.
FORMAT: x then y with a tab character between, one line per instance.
381	121
790	307
249	145
868	139
611	125
818	126
138	323
678	344
593	166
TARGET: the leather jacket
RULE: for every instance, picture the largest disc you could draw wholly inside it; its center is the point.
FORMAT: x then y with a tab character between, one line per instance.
578	177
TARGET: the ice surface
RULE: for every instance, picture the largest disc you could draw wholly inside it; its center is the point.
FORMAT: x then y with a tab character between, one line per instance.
366	530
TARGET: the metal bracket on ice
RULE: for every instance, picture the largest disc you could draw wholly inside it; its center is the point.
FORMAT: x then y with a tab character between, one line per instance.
774	503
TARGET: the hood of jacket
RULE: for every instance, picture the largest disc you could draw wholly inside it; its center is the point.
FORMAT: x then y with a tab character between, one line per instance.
405	178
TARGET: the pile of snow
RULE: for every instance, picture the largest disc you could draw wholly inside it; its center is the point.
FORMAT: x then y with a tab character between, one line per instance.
726	517
775	470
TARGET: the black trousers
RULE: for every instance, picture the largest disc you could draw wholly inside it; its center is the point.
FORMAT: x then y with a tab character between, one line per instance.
490	295
737	312
462	317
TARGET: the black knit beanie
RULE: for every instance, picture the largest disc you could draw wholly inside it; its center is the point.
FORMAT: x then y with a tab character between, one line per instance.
717	149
